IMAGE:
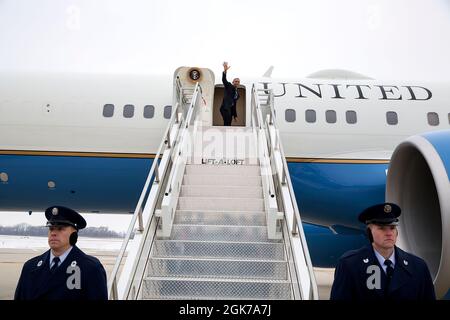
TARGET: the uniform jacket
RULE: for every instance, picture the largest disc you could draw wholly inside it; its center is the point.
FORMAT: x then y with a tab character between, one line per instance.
411	279
37	282
229	101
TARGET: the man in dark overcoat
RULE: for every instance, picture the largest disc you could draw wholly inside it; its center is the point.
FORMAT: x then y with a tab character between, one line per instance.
381	271
64	272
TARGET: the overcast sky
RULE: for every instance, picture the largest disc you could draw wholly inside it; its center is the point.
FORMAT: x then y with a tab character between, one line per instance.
384	39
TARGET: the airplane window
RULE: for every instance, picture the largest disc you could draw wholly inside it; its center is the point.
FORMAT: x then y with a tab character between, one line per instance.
351	117
108	110
149	111
330	116
433	119
449	118
310	116
391	117
289	115
167	112
128	111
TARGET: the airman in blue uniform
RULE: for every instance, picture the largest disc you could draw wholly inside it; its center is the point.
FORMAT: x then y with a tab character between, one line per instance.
381	271
64	272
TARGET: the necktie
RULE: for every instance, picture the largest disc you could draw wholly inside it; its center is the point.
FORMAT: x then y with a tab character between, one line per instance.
389	268
389	272
55	264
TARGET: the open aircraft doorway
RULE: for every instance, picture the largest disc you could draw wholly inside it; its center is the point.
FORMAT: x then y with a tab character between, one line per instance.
240	108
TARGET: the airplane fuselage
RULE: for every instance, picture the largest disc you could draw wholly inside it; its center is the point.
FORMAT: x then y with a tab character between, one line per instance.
87	141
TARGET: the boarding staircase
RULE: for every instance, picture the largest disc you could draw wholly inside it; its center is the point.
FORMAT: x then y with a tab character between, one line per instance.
217	218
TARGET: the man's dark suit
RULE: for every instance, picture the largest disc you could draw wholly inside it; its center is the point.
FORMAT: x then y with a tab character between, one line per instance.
411	279
230	96
38	282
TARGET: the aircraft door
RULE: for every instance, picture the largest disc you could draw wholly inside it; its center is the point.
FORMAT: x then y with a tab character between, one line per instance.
188	77
240	107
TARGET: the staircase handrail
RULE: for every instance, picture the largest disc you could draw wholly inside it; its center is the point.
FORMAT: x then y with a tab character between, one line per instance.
181	156
165	144
297	230
187	123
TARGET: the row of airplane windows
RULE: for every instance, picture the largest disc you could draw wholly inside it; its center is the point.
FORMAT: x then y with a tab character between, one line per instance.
351	117
128	111
290	115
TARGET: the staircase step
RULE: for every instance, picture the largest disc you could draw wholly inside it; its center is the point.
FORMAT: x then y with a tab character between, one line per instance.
205	169
221	191
167	288
220	204
207	268
230	180
220	233
236	143
220	218
227	129
219	250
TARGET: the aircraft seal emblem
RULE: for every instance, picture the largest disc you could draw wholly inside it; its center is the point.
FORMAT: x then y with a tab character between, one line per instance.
195	74
55	211
387	208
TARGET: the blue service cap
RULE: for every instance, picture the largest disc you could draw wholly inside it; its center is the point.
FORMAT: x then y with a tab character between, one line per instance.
62	216
381	214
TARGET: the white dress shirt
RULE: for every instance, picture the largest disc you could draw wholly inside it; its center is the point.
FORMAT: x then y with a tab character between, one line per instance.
61	257
381	259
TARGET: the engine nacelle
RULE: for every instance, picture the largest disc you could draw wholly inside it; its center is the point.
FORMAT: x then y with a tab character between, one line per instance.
419	182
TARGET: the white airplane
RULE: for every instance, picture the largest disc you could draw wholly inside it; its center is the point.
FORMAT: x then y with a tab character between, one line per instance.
87	141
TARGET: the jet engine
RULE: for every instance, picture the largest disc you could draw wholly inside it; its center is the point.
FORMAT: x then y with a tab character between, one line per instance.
419	182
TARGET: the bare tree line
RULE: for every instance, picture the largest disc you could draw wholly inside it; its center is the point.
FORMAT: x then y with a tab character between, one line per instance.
25	229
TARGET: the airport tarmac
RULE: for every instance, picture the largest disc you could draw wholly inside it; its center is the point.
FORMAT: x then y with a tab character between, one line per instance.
12	260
